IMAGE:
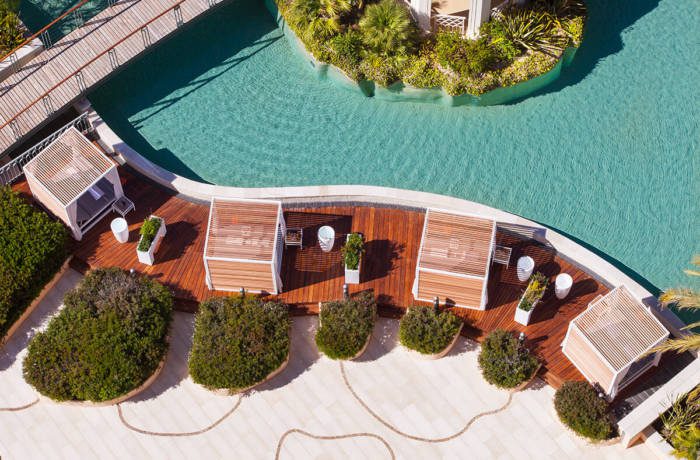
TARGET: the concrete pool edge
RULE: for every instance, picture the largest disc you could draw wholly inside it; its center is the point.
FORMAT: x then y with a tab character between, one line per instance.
370	194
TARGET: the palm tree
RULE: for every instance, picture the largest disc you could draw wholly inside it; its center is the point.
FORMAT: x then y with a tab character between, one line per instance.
387	28
319	19
684	299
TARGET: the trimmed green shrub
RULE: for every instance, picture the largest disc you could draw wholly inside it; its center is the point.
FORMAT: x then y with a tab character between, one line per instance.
238	341
427	330
148	232
580	408
504	361
345	326
106	341
32	249
468	57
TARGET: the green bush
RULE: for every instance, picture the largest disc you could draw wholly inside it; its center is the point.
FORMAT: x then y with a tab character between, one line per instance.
580	408
504	361
345	326
106	341
496	34
534	291
11	31
148	232
317	20
428	331
420	71
467	57
238	342
32	249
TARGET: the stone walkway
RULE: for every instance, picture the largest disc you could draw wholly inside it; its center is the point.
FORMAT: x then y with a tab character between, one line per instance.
308	411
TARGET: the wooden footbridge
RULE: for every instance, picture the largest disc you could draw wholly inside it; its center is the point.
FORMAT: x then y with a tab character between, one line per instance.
65	70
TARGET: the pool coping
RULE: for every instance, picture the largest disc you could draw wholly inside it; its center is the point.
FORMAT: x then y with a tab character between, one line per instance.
371	194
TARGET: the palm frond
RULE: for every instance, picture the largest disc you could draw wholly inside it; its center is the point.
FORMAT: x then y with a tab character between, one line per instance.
679	345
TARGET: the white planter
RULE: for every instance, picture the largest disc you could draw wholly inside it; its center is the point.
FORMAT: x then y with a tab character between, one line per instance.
352	276
522	316
148	257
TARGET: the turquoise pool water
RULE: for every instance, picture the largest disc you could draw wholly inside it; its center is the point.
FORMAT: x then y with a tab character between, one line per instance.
608	154
38	13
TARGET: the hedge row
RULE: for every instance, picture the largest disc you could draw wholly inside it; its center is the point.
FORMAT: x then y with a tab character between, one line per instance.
238	342
107	340
32	249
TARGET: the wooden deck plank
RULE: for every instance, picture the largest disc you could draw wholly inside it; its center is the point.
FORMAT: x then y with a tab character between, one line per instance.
310	276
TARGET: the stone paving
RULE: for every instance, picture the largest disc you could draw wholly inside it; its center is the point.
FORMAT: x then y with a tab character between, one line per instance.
308	411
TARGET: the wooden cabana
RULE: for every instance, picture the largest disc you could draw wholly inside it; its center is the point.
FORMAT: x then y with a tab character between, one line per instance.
608	342
454	259
75	181
244	245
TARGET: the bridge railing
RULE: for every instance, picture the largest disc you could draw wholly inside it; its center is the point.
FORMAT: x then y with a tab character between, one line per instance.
13	169
71	19
97	68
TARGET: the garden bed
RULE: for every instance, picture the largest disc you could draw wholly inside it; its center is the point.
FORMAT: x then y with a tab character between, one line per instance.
429	333
345	327
431	68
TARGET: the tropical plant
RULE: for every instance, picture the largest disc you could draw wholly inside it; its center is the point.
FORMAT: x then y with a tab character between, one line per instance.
387	28
681	425
504	360
531	30
468	57
11	31
352	251
561	8
345	326
495	33
148	232
580	408
318	19
238	341
106	341
683	299
32	249
534	291
428	330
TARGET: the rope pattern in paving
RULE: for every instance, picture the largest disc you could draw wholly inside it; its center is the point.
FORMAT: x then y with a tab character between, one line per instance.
332	438
420	438
19	408
178	434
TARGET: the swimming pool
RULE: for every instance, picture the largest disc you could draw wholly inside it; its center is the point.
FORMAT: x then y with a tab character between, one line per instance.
608	154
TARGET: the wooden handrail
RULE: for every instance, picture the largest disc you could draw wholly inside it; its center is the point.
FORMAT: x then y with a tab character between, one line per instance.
122	40
44	29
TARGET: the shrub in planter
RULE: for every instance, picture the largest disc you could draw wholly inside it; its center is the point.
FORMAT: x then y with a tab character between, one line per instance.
427	330
109	338
32	249
238	342
345	326
534	291
580	408
352	251
504	361
148	232
11	31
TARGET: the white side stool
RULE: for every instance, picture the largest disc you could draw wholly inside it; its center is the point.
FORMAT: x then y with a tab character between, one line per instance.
326	238
120	229
562	285
526	265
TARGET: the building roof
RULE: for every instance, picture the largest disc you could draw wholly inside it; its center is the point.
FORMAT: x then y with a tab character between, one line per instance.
68	166
242	229
620	327
457	243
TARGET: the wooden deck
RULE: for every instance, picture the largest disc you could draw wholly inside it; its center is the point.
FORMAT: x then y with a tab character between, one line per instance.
48	83
310	276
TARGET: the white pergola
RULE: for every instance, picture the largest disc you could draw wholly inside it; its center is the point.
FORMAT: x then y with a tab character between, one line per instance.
75	181
454	259
609	341
244	245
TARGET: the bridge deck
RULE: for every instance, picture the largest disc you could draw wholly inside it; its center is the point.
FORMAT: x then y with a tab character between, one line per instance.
48	83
